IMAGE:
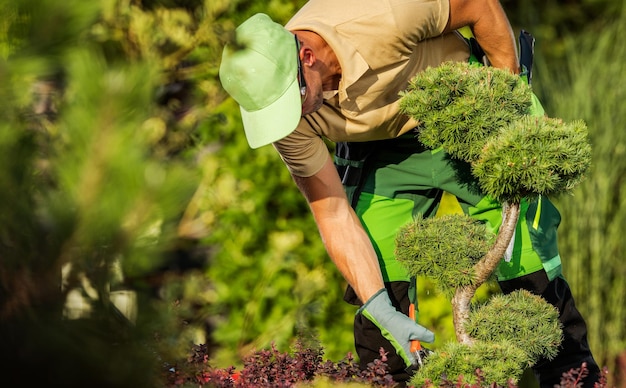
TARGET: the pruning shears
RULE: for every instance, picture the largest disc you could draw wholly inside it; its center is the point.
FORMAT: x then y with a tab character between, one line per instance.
417	351
416	346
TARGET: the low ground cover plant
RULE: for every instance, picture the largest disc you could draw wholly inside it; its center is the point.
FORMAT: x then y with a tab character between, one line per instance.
304	366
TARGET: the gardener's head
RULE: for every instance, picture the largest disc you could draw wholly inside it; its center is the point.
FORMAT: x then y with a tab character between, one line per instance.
262	72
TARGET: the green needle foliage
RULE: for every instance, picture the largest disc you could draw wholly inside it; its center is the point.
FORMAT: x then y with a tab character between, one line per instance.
459	105
493	361
482	115
444	249
512	332
533	155
531	324
89	207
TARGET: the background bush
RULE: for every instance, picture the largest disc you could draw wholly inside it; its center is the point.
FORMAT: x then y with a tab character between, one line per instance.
122	156
586	87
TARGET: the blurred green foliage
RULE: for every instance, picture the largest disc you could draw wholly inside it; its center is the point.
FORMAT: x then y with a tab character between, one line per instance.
120	150
554	22
589	87
121	142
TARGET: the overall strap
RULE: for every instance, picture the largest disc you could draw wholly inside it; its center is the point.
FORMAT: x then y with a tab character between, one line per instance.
350	161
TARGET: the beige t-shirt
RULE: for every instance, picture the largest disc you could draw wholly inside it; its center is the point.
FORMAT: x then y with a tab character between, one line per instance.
380	45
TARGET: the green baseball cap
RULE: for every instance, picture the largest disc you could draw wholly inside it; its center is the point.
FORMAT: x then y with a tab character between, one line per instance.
260	72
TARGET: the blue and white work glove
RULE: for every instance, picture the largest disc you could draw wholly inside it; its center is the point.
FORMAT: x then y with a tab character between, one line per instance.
396	327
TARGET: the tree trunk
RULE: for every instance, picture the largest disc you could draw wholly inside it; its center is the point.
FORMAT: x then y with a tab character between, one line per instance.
483	269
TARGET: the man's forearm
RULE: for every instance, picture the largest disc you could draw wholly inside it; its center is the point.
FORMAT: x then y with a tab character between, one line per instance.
343	235
351	250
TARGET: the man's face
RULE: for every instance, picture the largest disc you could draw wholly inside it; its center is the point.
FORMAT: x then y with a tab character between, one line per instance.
312	101
310	89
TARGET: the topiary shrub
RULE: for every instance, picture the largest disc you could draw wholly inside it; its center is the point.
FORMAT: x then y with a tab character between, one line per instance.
521	318
444	249
481	362
458	105
484	116
511	333
533	156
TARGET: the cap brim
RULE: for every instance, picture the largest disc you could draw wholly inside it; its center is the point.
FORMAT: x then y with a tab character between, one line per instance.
272	123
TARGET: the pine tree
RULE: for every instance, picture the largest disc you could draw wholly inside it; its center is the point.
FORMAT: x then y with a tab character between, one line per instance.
95	133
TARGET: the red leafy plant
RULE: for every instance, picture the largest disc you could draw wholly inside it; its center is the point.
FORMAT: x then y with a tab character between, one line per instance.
276	369
272	368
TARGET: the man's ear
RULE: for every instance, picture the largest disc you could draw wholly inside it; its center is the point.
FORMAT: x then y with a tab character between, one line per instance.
308	58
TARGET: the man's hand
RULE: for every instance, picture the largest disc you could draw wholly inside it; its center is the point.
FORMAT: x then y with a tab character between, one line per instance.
398	328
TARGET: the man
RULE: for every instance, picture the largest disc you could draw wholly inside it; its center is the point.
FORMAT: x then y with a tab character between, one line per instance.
335	72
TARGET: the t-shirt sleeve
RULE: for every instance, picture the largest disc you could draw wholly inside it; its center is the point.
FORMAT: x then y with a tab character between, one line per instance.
420	19
303	151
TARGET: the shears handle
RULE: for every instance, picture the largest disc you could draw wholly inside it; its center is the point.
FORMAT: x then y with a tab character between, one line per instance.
416	346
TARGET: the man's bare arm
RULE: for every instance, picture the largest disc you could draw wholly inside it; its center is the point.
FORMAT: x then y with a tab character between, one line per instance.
345	239
491	28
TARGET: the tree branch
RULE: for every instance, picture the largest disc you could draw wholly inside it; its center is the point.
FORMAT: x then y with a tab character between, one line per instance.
483	269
